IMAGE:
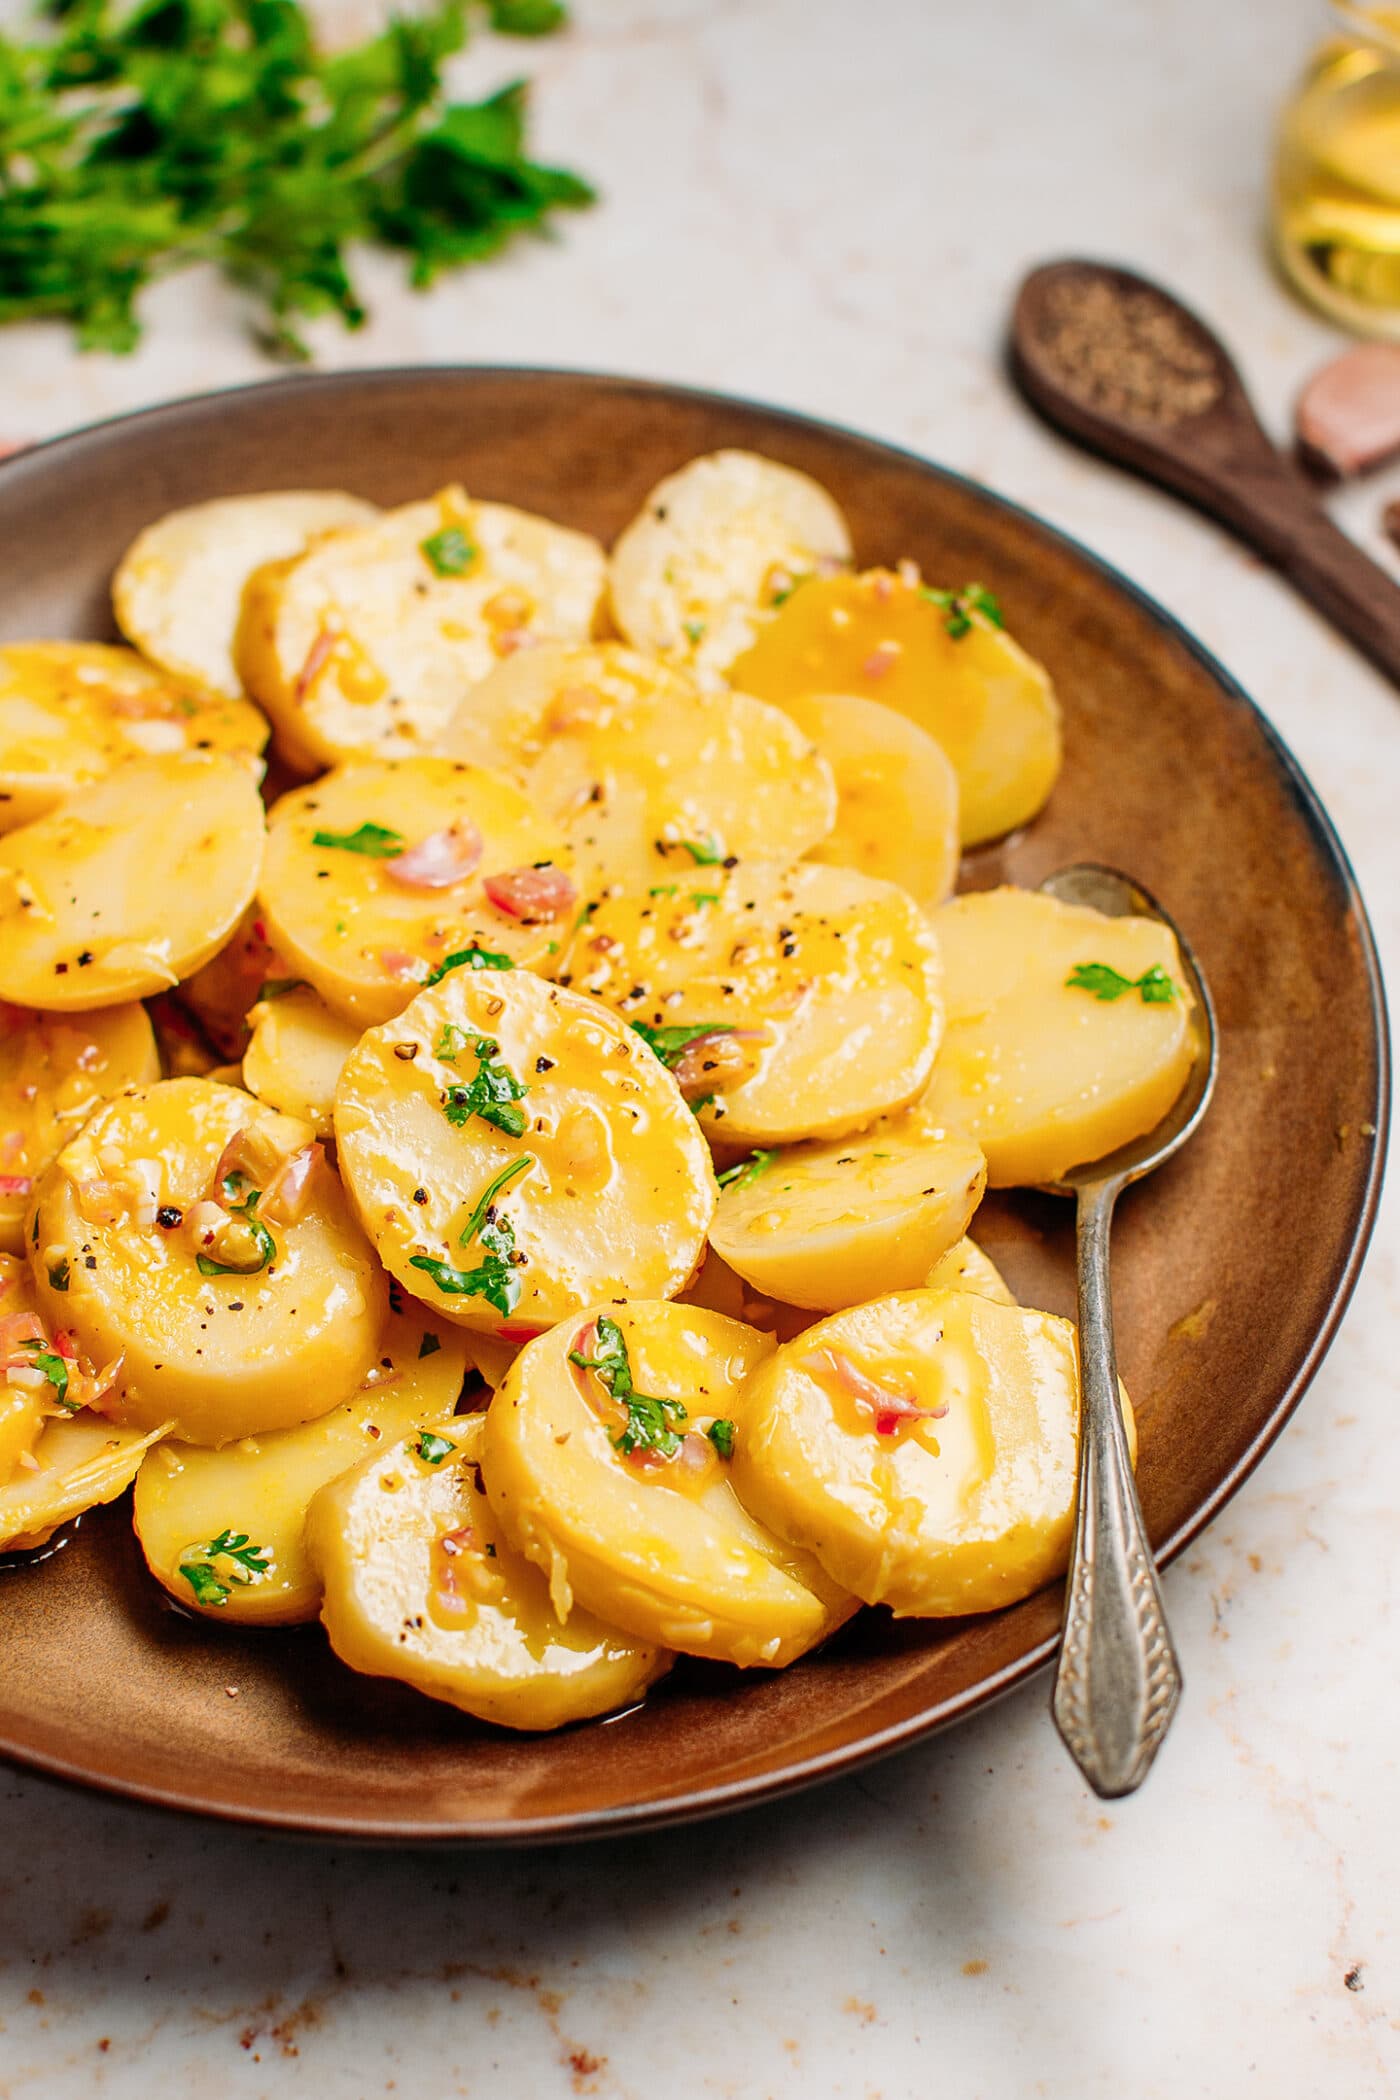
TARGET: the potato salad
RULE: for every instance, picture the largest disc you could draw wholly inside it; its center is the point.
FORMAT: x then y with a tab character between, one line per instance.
496	1085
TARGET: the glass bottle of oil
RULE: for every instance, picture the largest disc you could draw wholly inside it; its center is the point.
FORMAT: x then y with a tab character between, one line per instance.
1336	198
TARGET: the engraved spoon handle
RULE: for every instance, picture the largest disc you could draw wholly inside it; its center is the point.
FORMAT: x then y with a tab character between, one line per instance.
1118	1679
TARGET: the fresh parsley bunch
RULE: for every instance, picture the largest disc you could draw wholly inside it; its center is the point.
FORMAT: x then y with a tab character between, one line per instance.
138	138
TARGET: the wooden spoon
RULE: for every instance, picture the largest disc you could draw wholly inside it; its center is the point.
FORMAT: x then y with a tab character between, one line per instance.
1115	361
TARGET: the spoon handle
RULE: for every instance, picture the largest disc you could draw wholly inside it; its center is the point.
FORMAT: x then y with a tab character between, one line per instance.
1118	1679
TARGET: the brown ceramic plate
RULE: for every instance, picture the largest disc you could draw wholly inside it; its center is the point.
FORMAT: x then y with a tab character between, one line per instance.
1232	1267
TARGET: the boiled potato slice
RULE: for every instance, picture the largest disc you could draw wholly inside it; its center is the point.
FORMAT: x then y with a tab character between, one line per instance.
117	1231
421	1584
967	1268
949	666
490	1356
649	775
1042	1073
54	1069
897	793
25	1400
77	1462
830	1224
585	1175
923	1447
181	1045
70	711
810	996
718	1288
178	590
133	883
294	1058
364	645
223	1530
652	1538
419	859
712	551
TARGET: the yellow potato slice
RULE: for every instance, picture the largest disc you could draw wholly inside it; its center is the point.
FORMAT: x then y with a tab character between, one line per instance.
221	993
294	1058
54	1069
967	1268
648	774
949	667
133	883
421	1584
897	794
223	1531
830	1224
364	645
923	1447
25	1400
812	994
490	1356
117	1233
654	1538
713	550
1043	1074
362	921
77	1462
181	1045
593	1179
178	590
70	711
718	1288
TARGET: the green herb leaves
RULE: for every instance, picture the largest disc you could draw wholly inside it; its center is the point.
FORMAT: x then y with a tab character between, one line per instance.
372	840
59	1273
745	1171
55	1369
433	1449
668	1043
243	1564
959	606
1154	987
449	552
492	1095
468	959
138	139
247	1251
652	1423
494	1278
721	1435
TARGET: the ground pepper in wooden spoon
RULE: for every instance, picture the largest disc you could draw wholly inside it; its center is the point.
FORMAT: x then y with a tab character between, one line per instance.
1118	363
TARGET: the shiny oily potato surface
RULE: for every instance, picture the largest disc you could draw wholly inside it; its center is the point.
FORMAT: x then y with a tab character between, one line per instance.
131	885
54	1069
826	981
957	674
70	711
711	552
897	793
188	1499
216	1356
178	589
959	1496
296	1053
353	923
1044	1075
366	644
421	1584
608	1182
967	1267
79	1461
658	1544
839	1220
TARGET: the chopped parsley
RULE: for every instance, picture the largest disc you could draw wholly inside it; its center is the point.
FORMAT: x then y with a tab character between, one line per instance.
494	1278
59	1273
433	1449
451	1042
449	552
652	1423
374	841
1154	987
959	606
468	959
493	1094
747	1170
706	853
261	1242
721	1435
55	1370
668	1043
213	1585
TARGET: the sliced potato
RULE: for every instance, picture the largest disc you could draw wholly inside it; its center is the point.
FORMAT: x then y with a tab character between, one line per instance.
948	666
587	1177
489	1356
967	1268
647	773
132	884
718	1288
923	1447
897	794
811	994
421	1584
419	859
178	590
364	645
832	1223
712	551
1044	1074
652	1538
222	991
70	711
78	1461
182	1047
188	1500
54	1069
24	1405
119	1224
294	1058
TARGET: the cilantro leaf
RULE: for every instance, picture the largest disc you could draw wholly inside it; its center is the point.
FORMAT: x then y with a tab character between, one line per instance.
959	606
492	1095
211	1585
468	959
1154	987
373	840
60	1272
668	1043
721	1435
449	552
745	1171
706	853
493	1279
55	1369
653	1424
433	1449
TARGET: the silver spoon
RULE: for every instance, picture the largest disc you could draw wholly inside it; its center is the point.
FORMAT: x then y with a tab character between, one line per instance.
1118	1679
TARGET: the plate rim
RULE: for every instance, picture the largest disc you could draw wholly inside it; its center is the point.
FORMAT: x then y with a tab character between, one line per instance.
729	1797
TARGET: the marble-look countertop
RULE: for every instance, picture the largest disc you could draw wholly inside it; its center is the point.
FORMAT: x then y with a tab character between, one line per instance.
827	204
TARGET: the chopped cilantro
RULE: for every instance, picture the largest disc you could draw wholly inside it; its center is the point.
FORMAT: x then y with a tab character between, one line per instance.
492	1190
372	840
703	897
468	959
263	1244
706	853
668	1043
959	606
664	889
1154	987
449	552
745	1171
55	1370
492	1095
450	1043
652	1423
721	1435
212	1585
433	1449
59	1272
495	1277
